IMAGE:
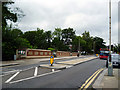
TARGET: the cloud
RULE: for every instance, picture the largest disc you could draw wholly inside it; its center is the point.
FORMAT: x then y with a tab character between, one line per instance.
89	15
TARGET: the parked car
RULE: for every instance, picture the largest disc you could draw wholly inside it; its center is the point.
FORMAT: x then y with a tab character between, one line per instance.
115	59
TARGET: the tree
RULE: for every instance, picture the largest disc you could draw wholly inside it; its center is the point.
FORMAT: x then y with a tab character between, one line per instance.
31	37
75	44
7	15
11	38
117	48
41	39
10	14
68	35
59	45
58	33
57	42
98	43
89	42
48	38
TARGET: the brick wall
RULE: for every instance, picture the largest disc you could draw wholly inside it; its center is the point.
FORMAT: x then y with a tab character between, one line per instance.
74	54
63	53
33	53
38	52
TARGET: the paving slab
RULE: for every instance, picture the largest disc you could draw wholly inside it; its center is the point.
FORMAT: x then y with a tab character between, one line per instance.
55	66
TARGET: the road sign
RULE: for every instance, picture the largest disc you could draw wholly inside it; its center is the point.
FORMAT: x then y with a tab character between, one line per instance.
51	59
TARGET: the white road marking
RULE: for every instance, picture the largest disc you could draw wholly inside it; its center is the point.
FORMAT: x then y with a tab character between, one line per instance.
2	75
36	70
12	77
69	66
34	77
11	71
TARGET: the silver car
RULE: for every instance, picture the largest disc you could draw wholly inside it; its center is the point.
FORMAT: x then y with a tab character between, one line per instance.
115	59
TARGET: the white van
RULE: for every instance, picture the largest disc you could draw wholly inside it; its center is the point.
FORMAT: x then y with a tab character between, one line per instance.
115	59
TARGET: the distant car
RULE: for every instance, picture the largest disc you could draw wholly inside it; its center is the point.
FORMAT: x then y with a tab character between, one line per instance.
115	59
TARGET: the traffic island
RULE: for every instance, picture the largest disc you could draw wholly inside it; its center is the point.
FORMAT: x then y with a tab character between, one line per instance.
54	66
76	61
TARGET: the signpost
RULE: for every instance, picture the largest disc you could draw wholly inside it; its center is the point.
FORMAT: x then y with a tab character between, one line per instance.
51	59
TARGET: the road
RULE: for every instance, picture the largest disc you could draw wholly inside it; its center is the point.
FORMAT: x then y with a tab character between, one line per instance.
73	77
26	65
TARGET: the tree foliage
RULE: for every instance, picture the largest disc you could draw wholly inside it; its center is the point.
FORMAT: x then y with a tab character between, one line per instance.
7	15
98	43
11	38
89	42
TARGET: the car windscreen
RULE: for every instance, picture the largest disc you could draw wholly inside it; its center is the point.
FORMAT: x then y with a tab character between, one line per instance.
106	54
115	56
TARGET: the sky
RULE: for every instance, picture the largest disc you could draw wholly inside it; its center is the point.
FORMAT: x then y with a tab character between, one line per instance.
81	15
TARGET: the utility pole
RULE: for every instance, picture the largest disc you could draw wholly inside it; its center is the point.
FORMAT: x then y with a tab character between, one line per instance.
93	47
79	46
110	68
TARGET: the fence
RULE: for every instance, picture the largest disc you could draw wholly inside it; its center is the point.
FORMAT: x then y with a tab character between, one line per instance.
36	53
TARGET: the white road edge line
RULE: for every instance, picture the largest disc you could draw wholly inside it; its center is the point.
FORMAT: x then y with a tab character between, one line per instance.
12	77
33	77
36	70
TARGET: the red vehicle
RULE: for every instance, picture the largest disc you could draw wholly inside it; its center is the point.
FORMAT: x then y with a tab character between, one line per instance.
104	53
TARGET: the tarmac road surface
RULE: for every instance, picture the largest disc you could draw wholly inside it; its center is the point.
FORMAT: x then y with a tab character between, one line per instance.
73	77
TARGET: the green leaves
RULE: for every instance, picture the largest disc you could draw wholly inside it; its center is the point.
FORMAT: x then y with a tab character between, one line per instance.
98	43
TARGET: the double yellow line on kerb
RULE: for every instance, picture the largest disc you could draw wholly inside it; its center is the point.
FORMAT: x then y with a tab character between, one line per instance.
89	81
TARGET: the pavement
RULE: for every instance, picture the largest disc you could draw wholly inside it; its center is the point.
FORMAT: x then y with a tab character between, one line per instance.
55	66
108	82
66	64
77	61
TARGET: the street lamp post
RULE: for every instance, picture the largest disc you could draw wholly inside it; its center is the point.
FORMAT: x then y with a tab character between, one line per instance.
79	46
110	68
93	48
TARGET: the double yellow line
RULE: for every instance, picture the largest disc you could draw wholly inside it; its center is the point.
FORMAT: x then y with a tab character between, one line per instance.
89	81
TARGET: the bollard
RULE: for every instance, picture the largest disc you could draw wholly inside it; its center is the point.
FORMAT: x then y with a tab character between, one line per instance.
51	60
110	69
14	57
